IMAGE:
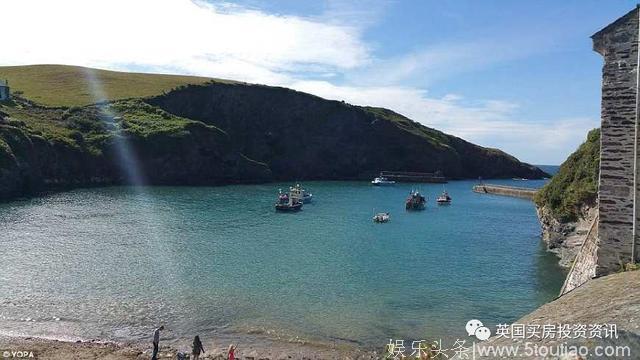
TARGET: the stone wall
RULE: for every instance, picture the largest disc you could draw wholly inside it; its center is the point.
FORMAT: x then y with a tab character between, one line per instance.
618	44
513	191
585	264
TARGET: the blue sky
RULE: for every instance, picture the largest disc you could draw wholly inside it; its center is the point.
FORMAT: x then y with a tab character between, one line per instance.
517	75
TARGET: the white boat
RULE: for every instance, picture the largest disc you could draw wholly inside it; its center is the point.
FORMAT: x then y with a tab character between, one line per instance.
382	181
287	203
300	194
381	217
444	198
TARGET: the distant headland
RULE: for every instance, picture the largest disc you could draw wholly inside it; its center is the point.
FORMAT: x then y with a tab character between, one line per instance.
67	126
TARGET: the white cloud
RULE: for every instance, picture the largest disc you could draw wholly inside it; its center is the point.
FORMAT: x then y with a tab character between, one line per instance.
228	41
489	123
179	34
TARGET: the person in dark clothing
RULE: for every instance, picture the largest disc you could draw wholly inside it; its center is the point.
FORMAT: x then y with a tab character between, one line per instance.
197	348
156	342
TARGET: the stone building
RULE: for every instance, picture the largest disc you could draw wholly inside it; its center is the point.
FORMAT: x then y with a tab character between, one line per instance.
619	210
4	90
613	240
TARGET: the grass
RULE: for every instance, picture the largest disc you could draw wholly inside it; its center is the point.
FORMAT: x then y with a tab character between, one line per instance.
47	123
67	86
89	128
435	137
576	183
144	120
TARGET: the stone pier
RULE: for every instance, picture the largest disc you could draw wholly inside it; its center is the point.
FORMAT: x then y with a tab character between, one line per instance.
513	191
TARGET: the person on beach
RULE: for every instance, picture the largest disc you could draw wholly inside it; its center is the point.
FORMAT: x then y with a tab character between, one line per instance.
232	352
156	342
197	348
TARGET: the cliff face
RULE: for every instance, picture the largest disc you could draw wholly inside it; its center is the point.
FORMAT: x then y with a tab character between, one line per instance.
221	133
124	143
301	136
565	238
567	205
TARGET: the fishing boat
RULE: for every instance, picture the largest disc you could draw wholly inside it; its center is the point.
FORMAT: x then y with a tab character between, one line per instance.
415	201
287	203
300	194
444	198
382	181
381	218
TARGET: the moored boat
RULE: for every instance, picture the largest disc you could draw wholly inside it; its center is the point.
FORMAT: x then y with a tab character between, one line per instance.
287	203
415	201
300	194
444	198
381	217
382	181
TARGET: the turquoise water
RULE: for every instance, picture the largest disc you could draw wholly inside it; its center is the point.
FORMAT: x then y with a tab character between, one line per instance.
112	263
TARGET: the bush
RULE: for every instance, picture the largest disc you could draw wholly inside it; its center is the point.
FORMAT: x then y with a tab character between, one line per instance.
576	183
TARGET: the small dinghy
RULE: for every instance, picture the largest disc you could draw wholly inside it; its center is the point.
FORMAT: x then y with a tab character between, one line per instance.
381	218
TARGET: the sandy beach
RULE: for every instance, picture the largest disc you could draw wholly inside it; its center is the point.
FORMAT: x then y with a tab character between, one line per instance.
23	347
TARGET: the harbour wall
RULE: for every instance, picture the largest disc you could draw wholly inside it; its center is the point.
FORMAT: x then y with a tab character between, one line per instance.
407	176
514	191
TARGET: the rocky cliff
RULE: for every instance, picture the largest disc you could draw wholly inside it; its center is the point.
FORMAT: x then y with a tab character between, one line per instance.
215	132
120	143
301	136
566	206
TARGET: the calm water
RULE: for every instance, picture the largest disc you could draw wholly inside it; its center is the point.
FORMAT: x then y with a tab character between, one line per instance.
114	262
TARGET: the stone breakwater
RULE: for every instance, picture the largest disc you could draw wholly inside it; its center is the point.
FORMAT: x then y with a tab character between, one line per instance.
513	191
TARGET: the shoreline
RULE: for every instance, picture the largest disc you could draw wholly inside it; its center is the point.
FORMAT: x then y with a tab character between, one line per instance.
265	349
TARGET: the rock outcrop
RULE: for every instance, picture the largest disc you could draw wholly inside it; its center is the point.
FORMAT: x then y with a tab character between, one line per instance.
188	153
301	136
565	238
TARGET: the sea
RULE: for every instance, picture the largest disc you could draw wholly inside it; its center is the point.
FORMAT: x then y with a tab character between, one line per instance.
113	263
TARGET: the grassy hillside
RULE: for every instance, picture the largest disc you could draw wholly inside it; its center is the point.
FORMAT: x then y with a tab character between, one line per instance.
197	131
62	85
576	183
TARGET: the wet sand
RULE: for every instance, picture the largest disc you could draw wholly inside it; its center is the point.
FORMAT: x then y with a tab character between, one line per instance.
94	349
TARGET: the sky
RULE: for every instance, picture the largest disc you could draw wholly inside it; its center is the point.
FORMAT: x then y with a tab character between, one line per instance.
520	76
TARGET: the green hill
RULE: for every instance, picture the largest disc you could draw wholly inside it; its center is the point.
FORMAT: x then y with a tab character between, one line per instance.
576	183
183	130
63	85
